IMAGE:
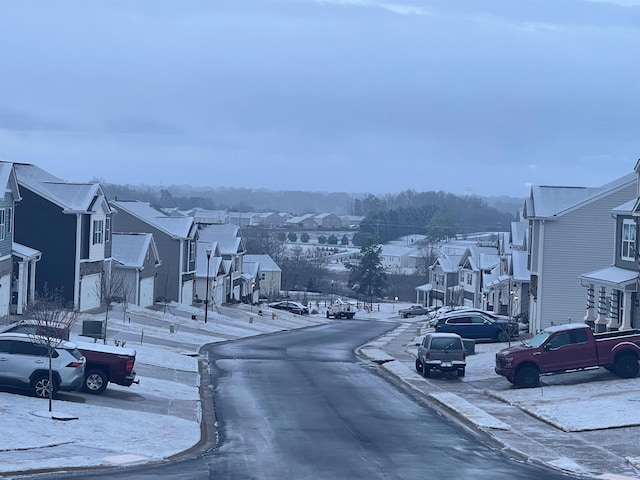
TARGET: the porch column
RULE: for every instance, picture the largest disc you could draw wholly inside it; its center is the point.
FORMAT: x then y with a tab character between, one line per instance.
590	317
601	320
627	306
31	296
613	322
22	287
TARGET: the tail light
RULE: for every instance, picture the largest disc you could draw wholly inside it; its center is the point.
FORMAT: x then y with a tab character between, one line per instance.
75	364
427	356
129	366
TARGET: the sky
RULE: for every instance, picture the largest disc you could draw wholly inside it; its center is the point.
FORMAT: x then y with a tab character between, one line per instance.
483	97
32	439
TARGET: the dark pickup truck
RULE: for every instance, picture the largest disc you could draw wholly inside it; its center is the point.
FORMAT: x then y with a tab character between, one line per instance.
569	348
105	363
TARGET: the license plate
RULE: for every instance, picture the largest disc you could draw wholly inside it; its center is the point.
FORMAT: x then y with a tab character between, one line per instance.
446	364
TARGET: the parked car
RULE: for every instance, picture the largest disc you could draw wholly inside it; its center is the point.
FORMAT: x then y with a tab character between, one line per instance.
569	348
24	364
441	351
477	325
413	311
104	363
289	306
341	309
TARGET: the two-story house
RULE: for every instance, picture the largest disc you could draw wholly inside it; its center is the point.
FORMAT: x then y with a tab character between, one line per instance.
70	223
135	260
175	237
270	275
570	233
612	291
212	281
17	262
232	249
476	262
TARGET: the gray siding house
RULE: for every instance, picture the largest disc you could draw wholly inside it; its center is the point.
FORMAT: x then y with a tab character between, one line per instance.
571	232
175	237
17	283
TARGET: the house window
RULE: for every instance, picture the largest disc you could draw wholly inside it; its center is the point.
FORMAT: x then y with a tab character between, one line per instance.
3	219
192	251
107	229
469	279
9	220
628	247
97	231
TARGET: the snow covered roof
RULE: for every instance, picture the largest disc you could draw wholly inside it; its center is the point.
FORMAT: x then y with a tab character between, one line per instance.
266	262
227	236
130	249
176	225
615	277
519	261
71	197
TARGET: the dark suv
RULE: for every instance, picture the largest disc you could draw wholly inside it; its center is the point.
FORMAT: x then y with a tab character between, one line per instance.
441	351
477	325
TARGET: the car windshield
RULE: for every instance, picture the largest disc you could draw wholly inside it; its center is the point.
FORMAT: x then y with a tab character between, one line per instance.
538	340
445	344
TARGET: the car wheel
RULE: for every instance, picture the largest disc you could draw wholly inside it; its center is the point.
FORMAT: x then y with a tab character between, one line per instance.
503	337
461	372
626	366
418	366
95	381
328	315
527	377
426	371
41	386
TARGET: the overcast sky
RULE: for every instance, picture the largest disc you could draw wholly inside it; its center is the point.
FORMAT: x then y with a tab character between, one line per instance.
467	96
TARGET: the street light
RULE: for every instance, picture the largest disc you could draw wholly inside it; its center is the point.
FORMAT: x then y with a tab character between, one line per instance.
253	285
331	292
395	299
206	299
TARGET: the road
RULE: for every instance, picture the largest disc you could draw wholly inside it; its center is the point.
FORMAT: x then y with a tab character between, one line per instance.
301	405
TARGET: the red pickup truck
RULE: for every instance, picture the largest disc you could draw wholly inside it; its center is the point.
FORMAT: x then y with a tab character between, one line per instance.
105	363
569	348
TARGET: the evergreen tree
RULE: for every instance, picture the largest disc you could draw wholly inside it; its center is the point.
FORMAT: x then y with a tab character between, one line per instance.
367	276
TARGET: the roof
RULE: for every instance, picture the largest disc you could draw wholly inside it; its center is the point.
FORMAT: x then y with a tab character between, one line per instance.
519	261
23	251
519	233
175	225
266	262
615	277
8	179
227	236
550	201
130	249
71	197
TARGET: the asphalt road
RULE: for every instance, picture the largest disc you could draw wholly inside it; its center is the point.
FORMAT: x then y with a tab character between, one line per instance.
300	405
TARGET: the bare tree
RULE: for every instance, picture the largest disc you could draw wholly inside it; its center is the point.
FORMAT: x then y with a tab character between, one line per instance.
112	290
53	317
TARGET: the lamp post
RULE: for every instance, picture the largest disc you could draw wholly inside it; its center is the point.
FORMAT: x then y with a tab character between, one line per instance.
395	299
206	299
331	292
253	285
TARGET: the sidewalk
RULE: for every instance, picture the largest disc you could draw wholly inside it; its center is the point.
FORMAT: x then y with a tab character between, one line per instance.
583	423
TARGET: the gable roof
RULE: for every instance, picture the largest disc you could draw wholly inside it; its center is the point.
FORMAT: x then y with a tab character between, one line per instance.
548	202
130	249
227	236
9	180
71	197
266	262
176	226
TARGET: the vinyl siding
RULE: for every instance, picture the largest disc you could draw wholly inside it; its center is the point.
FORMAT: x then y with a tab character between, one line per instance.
577	242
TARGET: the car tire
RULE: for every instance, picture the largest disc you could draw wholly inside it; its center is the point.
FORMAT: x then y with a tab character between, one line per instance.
418	366
95	381
41	386
527	377
626	366
328	316
426	371
503	337
461	372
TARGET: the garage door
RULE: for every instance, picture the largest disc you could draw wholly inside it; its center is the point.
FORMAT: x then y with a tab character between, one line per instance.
146	291
90	292
187	293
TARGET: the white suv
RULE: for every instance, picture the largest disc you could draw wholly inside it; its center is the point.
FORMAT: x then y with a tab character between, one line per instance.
24	364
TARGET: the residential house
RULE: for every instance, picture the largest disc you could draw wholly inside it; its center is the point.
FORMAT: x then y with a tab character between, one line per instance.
243	219
570	233
70	223
251	277
208	217
232	250
270	220
210	268
612	291
306	222
443	276
17	262
270	275
136	261
328	221
398	258
476	262
175	237
351	221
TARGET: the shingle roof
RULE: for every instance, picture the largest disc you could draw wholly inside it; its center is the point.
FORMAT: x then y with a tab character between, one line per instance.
266	262
179	226
130	249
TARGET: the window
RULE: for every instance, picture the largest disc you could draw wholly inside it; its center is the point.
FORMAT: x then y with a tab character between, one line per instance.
192	251
469	279
2	223
628	247
107	229
97	231
9	219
